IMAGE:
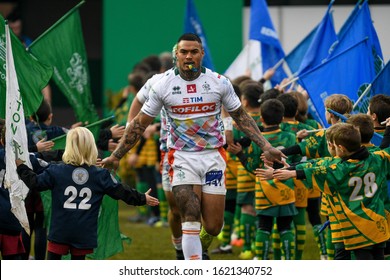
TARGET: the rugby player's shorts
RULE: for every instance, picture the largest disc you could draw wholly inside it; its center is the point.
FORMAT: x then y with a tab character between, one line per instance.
205	168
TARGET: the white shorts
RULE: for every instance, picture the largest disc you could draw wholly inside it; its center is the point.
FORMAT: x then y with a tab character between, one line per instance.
166	183
205	168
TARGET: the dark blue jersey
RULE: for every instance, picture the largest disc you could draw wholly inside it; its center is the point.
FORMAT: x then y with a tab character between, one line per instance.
77	193
37	132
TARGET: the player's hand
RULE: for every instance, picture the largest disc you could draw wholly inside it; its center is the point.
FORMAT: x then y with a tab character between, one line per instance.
275	155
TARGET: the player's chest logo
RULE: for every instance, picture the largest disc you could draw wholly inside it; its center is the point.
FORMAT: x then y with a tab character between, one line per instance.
191	88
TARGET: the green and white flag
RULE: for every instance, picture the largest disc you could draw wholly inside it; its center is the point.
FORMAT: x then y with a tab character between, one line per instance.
62	46
32	75
15	139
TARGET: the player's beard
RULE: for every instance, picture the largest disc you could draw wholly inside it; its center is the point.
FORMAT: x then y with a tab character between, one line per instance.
189	75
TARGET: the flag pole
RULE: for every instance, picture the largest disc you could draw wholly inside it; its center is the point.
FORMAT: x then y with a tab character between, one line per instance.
276	66
289	83
87	126
55	24
368	88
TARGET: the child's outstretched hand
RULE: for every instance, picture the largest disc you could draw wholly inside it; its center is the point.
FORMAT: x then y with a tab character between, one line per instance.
150	200
284	174
265	174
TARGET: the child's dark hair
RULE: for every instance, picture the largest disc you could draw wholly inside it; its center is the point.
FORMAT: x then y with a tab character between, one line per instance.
290	105
365	125
251	91
380	105
272	111
268	94
43	112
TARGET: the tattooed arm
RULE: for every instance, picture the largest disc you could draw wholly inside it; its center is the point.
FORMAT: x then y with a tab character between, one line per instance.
131	136
248	125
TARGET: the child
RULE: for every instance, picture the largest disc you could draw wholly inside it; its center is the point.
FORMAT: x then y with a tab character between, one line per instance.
271	204
357	182
379	110
78	187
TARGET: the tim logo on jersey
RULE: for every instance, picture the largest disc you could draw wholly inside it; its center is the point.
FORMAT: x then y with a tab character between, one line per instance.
214	178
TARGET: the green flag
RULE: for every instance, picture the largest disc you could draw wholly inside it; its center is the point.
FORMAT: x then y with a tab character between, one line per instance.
62	46
32	75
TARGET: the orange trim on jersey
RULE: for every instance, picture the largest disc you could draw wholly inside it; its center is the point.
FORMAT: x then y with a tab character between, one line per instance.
171	159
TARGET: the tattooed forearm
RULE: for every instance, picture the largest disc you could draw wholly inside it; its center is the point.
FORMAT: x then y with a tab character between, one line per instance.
131	136
248	125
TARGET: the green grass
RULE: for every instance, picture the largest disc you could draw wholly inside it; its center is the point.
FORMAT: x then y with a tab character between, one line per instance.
150	243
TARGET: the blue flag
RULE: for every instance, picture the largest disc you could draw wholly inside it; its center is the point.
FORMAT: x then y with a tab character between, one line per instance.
347	24
262	29
322	43
192	24
295	57
346	73
380	85
358	28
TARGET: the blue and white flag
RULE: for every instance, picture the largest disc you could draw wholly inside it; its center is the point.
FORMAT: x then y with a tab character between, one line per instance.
192	24
349	73
262	29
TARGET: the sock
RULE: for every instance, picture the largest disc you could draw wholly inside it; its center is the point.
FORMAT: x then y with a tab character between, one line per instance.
227	228
300	232
262	244
329	245
320	239
247	229
276	243
205	239
287	241
237	217
163	205
192	248
177	242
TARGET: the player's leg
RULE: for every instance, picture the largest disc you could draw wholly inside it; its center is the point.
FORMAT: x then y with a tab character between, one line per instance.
189	205
213	206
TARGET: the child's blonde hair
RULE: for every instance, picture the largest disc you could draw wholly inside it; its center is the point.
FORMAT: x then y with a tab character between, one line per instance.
80	147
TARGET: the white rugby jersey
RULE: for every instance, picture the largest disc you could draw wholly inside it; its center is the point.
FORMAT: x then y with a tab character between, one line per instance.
193	108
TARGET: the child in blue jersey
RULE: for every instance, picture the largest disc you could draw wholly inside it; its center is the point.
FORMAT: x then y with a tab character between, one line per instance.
78	187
